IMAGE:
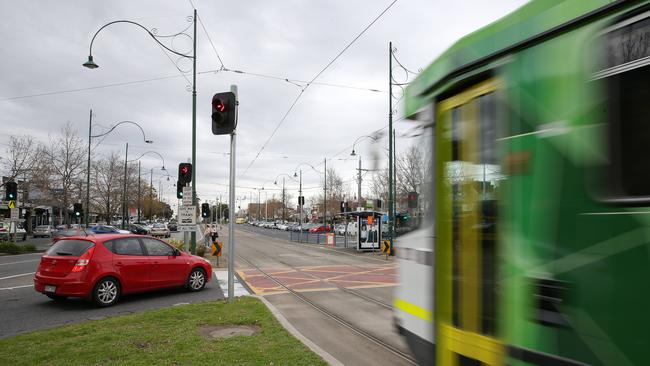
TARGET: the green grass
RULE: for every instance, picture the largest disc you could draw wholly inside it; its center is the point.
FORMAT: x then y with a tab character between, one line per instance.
163	337
11	248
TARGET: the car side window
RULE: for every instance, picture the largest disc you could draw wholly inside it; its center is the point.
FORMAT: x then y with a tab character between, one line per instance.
156	247
125	246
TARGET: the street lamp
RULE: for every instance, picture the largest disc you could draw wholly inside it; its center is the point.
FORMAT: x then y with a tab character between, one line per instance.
324	186
140	175
374	139
90	64
90	137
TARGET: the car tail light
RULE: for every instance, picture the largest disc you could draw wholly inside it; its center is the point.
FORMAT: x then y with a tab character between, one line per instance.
84	260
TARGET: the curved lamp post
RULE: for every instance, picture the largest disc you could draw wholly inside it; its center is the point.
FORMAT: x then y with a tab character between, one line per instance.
90	63
374	139
90	137
140	175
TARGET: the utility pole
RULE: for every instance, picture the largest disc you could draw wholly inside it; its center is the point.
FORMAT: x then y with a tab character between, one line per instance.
193	235
150	193
283	200
391	212
359	187
325	197
90	128
139	191
300	205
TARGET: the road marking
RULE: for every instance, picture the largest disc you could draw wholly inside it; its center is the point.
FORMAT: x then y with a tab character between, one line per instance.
222	280
15	287
18	275
33	260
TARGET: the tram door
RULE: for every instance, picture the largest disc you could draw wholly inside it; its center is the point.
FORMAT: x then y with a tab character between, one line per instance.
466	303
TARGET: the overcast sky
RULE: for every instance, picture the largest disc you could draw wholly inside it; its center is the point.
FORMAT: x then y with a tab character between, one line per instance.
43	84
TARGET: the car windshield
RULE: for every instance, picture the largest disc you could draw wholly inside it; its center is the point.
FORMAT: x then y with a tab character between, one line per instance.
159	226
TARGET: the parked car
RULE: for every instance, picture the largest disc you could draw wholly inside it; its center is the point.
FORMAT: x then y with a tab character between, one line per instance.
103	229
138	229
104	267
173	226
320	229
43	231
7	229
160	230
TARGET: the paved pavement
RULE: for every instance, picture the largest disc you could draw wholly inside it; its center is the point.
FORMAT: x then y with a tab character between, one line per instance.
356	287
25	310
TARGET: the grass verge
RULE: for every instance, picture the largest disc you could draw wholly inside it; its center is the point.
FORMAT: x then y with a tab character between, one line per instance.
163	337
11	248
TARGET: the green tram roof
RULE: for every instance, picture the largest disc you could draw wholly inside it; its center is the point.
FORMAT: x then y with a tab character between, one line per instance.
530	20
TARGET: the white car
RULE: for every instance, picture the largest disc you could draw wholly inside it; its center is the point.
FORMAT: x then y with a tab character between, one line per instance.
44	231
7	231
160	230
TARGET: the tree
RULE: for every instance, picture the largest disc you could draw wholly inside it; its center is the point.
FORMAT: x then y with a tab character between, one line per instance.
21	157
105	183
410	171
66	156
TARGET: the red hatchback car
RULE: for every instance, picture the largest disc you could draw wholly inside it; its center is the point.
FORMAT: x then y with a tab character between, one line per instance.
104	267
320	229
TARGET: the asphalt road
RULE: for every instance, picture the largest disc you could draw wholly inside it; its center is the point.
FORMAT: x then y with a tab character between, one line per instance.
25	310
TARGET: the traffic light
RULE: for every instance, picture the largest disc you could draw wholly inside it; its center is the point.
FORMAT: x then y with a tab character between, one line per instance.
413	199
224	113
11	191
378	203
205	210
301	200
78	210
179	190
184	173
342	206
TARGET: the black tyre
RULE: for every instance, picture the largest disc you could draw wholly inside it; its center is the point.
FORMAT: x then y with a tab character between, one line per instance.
106	292
196	280
56	297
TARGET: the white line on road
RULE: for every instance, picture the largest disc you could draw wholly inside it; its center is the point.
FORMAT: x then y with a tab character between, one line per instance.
18	275
15	287
33	260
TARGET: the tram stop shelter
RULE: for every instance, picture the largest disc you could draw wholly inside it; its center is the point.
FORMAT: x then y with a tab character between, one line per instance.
366	228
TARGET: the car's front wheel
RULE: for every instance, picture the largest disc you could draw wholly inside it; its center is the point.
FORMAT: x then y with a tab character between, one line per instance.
106	292
196	280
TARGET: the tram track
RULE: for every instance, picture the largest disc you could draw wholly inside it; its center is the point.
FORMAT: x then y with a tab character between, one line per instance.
331	315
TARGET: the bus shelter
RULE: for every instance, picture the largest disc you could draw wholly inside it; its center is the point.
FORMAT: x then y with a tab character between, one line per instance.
365	227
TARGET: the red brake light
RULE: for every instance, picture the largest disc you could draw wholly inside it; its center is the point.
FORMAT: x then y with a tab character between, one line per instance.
84	260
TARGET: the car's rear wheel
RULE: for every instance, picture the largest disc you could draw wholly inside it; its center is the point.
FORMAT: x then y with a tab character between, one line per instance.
196	280
56	297
106	292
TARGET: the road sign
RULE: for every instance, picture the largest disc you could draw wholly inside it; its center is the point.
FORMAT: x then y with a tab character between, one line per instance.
216	248
11	204
14	214
186	228
187	216
386	247
187	196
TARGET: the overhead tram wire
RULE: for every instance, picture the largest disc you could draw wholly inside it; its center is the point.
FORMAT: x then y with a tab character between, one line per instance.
127	83
313	80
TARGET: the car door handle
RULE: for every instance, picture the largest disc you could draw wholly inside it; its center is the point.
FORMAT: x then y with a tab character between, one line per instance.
118	264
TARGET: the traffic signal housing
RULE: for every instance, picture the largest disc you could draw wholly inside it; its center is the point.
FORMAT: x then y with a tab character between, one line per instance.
78	210
11	191
413	199
179	190
224	113
205	210
184	173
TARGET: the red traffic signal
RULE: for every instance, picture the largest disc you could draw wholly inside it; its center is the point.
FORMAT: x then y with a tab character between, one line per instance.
184	173
413	199
224	113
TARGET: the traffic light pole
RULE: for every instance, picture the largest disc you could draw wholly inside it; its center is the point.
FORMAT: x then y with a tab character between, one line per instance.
231	211
193	238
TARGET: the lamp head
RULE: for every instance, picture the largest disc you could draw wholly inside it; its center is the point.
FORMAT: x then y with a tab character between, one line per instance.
353	153
163	168
90	63
295	174
149	141
275	182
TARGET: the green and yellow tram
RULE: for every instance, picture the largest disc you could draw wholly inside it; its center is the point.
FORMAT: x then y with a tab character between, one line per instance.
540	194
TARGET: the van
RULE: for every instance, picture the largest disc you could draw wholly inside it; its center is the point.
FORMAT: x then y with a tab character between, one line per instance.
7	231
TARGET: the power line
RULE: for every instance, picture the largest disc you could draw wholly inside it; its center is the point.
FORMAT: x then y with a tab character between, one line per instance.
211	43
314	79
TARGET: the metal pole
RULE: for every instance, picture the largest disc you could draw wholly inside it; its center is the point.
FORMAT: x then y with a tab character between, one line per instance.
283	200
90	129
150	193
359	187
231	212
259	204
325	197
391	214
139	191
300	205
126	157
266	207
194	133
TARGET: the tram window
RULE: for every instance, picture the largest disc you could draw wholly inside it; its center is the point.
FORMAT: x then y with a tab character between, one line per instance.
627	76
